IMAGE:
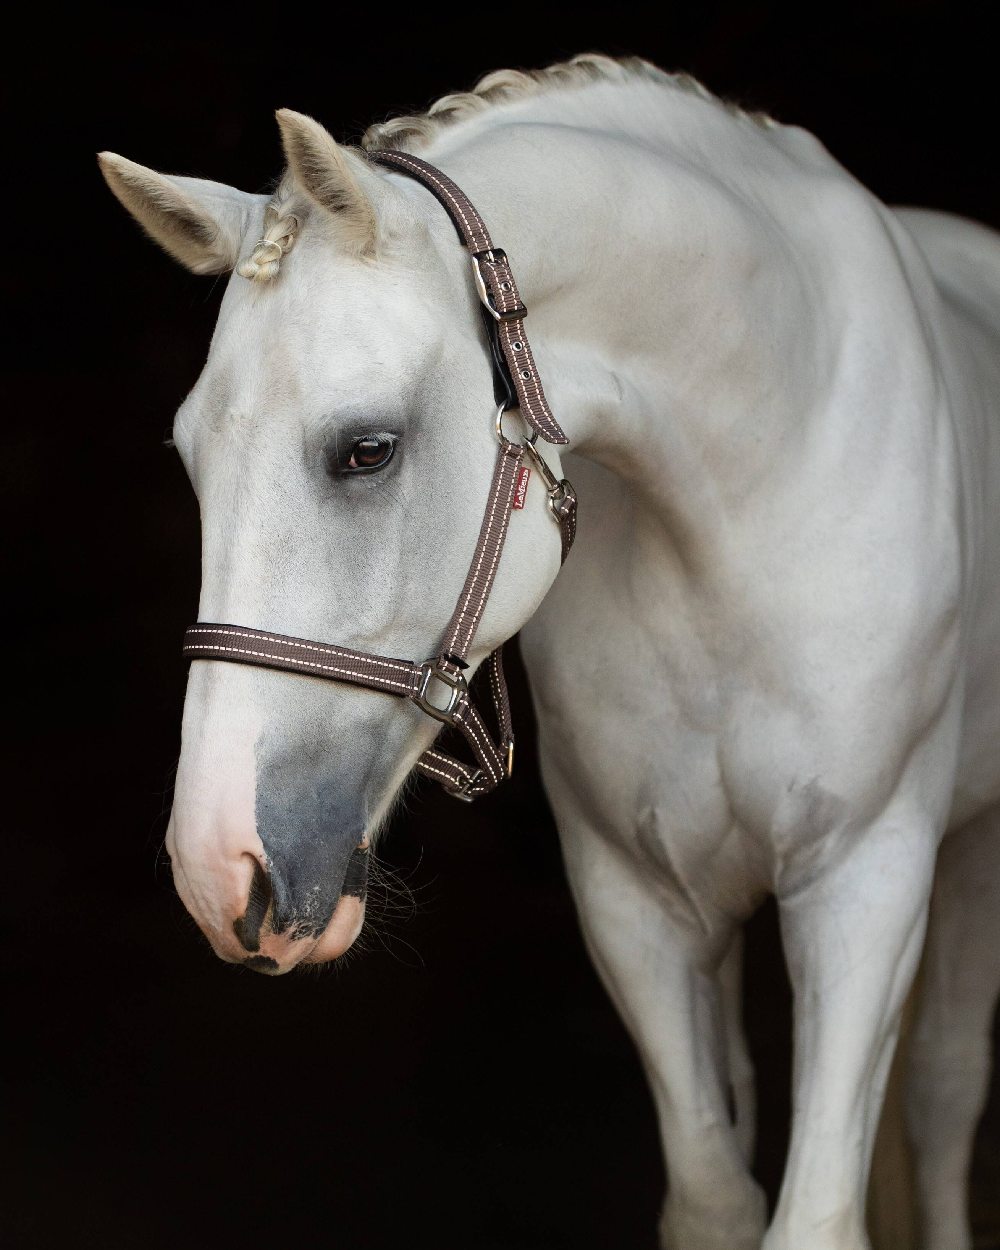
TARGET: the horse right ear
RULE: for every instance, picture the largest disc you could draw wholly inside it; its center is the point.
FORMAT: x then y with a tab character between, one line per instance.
200	223
335	178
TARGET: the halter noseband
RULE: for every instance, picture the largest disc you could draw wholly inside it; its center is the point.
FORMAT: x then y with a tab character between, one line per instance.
438	686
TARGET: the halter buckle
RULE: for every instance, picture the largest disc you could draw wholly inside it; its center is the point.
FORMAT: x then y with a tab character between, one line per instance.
562	500
499	255
431	670
463	790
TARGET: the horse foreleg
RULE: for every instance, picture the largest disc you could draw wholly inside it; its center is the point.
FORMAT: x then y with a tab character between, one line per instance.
951	1045
662	980
852	934
742	1083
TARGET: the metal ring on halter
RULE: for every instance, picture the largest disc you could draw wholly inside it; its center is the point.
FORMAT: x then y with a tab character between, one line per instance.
528	441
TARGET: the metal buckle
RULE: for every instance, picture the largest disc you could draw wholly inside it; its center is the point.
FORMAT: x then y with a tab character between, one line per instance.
461	791
431	670
562	500
495	254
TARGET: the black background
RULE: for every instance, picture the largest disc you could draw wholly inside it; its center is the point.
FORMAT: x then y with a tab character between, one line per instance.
462	1081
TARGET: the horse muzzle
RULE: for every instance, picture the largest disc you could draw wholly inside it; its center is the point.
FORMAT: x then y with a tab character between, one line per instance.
257	913
276	931
271	859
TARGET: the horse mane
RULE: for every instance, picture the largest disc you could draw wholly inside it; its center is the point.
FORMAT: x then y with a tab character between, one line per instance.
414	131
417	130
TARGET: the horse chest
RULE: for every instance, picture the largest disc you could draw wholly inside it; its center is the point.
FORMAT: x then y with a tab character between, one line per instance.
641	767
632	733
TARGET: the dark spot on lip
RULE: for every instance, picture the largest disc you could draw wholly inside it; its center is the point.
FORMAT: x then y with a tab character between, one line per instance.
247	927
356	877
261	963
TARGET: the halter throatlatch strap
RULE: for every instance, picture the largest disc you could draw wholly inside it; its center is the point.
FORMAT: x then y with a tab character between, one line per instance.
438	686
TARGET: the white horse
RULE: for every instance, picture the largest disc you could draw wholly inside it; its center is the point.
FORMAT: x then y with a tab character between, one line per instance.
771	662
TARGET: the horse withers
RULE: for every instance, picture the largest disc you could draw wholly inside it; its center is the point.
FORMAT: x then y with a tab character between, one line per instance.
771	663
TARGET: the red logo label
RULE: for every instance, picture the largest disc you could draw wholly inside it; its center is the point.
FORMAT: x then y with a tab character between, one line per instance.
521	489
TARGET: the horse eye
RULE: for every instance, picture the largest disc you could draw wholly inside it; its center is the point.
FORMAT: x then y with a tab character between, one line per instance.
368	454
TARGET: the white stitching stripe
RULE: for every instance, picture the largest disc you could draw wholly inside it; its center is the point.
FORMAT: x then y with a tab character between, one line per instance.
529	390
462	630
428	768
447	764
321	648
453	779
499	701
280	659
470	721
502	496
451	770
479	564
494	682
459	202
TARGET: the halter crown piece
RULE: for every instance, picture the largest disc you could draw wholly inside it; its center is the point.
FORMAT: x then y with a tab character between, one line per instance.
438	686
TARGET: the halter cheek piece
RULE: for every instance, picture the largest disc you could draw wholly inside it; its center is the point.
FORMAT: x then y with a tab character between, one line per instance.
438	686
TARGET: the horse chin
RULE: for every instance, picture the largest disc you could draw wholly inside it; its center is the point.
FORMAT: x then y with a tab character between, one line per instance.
341	932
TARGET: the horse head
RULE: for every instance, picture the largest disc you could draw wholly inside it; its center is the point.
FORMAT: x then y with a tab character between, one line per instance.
340	441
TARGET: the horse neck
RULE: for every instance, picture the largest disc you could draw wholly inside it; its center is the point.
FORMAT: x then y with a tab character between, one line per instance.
671	314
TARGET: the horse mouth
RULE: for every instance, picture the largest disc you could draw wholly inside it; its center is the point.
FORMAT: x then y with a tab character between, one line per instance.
275	944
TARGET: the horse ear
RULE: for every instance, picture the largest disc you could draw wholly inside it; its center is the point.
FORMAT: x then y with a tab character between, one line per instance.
199	223
332	176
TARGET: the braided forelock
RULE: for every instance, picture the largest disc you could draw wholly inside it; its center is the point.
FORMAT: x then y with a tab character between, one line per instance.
280	230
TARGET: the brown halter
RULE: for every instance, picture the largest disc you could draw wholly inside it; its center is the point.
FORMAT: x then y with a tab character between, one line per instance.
517	385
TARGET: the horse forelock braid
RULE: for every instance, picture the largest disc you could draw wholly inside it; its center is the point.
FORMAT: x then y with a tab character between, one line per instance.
280	229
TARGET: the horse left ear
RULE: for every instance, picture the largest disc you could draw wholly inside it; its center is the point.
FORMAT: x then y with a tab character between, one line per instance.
334	177
200	223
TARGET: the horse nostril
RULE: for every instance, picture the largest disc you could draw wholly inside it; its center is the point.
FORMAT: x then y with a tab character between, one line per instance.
247	927
356	878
